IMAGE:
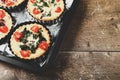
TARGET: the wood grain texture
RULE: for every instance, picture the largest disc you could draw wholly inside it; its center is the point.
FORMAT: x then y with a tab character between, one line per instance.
95	27
71	66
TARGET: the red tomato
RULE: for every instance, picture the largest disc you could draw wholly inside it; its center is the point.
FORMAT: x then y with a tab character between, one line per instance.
35	29
57	0
2	14
3	29
43	45
25	53
33	1
9	3
17	35
36	11
58	10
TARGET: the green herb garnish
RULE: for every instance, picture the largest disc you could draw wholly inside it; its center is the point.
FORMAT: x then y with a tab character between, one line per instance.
32	46
53	1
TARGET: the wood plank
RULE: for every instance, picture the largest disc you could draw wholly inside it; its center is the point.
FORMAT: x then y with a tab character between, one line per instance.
95	27
71	66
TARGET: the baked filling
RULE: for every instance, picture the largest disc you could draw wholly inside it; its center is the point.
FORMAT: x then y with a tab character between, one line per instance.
45	9
30	41
5	23
10	3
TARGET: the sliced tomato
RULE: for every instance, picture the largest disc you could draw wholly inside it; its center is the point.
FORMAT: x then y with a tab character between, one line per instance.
17	35
58	10
2	14
36	11
33	1
25	53
57	0
35	28
3	29
9	3
43	45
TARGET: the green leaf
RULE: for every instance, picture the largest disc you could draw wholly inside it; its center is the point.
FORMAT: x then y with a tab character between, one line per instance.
24	47
45	4
53	1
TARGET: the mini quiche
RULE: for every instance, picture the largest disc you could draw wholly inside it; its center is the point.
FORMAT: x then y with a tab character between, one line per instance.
45	10
30	41
6	23
10	3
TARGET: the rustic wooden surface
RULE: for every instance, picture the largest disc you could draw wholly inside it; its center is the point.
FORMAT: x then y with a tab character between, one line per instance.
90	50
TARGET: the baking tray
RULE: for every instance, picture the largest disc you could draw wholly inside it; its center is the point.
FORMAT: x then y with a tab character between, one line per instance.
57	30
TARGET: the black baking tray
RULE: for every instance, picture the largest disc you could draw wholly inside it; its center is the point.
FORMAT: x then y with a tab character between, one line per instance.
57	30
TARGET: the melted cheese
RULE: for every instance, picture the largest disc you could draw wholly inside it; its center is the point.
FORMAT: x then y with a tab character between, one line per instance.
8	23
31	40
16	3
15	45
46	10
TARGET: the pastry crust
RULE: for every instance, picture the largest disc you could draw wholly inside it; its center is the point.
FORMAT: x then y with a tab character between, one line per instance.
7	20
15	45
10	3
48	10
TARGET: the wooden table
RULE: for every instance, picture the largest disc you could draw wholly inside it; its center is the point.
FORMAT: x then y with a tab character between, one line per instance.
90	50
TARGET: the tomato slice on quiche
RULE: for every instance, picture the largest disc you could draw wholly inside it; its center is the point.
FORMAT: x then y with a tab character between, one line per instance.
6	23
30	41
45	10
18	35
11	3
43	45
3	29
25	53
2	14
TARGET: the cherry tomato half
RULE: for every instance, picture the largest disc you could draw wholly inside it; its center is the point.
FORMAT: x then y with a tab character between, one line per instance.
33	1
3	29
25	53
35	29
43	45
58	10
2	14
57	0
17	35
9	3
36	11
